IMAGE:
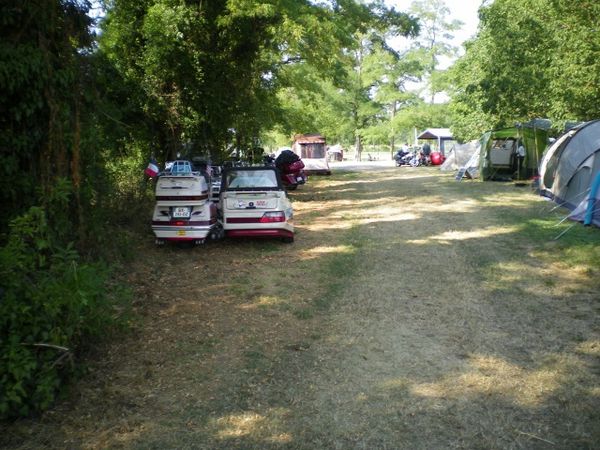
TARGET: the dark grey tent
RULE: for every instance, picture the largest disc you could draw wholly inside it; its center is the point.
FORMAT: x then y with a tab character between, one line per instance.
571	164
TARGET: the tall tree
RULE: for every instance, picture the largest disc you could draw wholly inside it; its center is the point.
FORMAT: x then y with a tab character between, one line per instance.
531	58
396	70
209	71
347	97
196	63
574	68
433	42
42	46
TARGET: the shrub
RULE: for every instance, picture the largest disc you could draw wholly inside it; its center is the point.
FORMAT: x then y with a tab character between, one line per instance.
51	305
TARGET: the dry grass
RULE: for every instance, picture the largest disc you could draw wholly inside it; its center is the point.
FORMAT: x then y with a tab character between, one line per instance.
424	313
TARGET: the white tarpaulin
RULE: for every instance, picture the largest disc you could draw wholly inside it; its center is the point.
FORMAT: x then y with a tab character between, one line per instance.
460	155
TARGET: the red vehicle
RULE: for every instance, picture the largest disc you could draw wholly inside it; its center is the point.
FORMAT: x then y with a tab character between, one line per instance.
291	169
436	158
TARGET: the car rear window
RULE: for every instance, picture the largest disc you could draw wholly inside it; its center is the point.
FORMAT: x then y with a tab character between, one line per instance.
251	179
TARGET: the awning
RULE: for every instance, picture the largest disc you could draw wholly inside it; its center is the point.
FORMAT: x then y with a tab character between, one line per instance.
436	133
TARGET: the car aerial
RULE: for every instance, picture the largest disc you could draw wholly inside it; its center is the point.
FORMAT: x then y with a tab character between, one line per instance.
254	203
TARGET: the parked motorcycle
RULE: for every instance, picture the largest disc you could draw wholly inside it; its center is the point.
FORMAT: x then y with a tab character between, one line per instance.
291	169
403	158
424	160
418	159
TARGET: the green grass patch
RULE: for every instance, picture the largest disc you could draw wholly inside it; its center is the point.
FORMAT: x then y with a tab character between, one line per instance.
571	242
304	313
336	269
255	359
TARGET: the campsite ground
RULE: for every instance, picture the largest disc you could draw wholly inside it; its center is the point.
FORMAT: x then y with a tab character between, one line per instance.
411	312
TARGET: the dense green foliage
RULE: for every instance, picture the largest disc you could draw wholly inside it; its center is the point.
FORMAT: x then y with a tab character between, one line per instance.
56	193
531	58
51	305
195	69
217	75
40	81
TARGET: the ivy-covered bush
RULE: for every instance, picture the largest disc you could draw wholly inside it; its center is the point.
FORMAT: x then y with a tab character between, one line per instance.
52	304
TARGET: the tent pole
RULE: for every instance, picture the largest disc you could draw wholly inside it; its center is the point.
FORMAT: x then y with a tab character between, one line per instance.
561	220
566	201
564	232
537	158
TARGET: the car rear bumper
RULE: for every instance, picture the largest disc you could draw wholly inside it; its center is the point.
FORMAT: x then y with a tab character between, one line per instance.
182	232
256	233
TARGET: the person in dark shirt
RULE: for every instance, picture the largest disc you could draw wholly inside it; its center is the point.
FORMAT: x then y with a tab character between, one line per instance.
426	149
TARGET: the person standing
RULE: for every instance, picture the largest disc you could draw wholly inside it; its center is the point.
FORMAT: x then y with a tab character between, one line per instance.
520	154
426	149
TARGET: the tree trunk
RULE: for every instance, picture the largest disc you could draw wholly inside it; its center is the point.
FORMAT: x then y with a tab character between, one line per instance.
358	148
76	169
393	138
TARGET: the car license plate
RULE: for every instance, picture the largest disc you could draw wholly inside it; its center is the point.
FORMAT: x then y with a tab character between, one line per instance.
181	212
180	232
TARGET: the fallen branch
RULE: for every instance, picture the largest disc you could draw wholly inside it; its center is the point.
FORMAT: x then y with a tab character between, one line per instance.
58	360
536	437
56	347
67	354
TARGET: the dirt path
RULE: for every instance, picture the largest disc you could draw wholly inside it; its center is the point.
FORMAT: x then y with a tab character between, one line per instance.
422	317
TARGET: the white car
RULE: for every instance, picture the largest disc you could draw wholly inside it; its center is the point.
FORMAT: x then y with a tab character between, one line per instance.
254	203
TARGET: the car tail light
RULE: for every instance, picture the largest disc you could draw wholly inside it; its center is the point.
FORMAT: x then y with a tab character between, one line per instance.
274	216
